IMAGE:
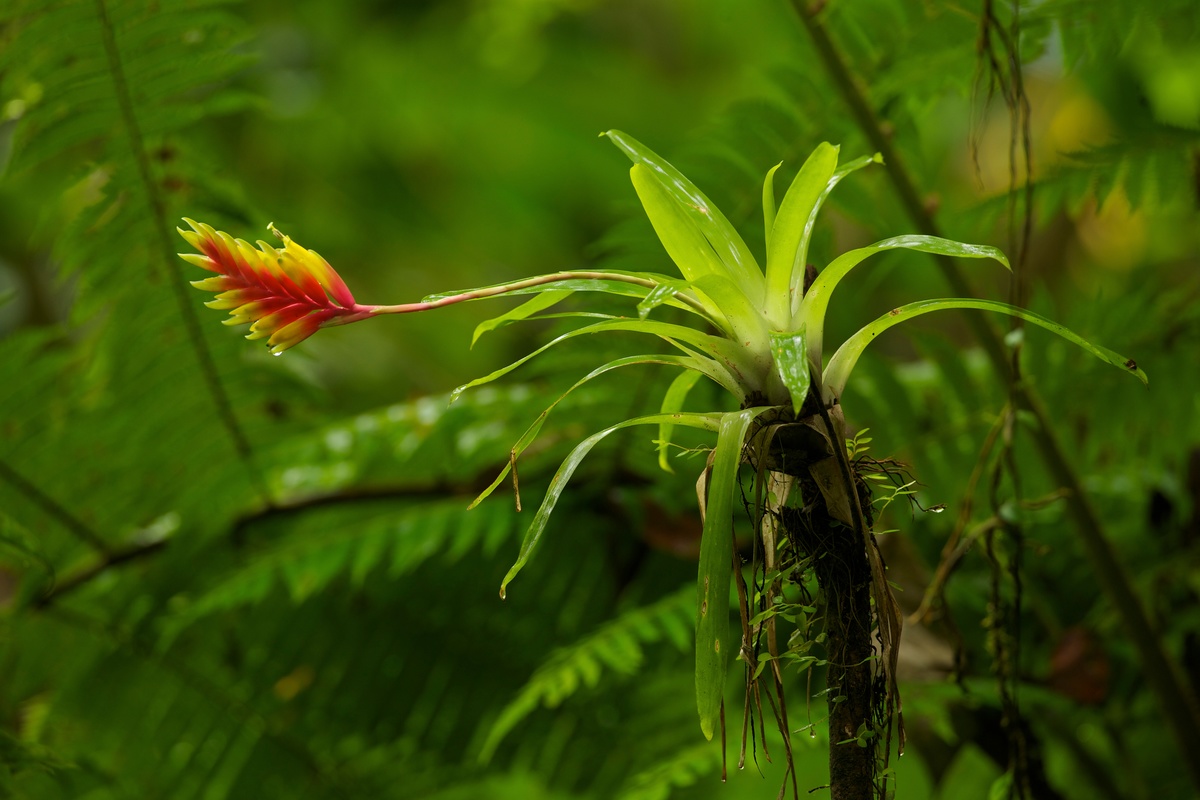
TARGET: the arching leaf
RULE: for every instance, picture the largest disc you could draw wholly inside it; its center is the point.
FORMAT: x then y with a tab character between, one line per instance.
689	363
843	361
731	362
816	300
672	402
535	304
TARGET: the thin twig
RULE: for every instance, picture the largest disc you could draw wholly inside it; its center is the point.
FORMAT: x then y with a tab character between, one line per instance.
87	574
54	509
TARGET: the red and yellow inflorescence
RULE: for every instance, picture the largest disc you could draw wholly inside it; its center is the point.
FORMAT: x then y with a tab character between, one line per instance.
284	293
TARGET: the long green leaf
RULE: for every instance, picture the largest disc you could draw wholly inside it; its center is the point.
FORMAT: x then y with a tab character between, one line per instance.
723	237
797	284
708	422
607	281
689	363
672	402
539	302
714	645
744	322
791	364
789	242
728	364
769	202
680	236
843	361
816	301
850	166
620	288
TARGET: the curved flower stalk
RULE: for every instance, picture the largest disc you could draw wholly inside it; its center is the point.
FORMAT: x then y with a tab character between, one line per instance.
761	337
287	293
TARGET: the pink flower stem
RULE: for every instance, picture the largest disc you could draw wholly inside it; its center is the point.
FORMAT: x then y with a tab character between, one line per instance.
361	311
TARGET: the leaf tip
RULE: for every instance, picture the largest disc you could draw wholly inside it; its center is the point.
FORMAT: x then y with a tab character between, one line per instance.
1132	366
512	573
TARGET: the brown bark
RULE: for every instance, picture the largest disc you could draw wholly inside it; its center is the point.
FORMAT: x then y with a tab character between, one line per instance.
844	576
849	674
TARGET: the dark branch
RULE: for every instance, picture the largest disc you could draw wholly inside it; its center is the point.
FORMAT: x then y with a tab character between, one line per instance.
53	508
365	494
85	575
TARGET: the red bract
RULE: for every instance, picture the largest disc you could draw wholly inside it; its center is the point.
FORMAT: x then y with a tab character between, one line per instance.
284	293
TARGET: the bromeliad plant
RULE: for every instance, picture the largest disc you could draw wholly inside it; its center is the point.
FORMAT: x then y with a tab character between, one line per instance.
759	334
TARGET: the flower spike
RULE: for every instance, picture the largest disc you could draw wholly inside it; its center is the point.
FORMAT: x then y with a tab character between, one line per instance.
284	293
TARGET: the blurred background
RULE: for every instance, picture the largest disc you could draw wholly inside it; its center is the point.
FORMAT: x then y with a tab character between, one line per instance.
228	575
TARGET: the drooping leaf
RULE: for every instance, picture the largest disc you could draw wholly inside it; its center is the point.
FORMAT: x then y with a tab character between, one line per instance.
687	362
723	355
524	311
713	640
709	422
672	402
843	361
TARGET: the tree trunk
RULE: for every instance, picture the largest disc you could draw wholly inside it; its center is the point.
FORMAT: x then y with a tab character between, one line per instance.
823	535
849	674
845	580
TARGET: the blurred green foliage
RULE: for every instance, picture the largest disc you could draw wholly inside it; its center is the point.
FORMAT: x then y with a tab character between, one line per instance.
223	575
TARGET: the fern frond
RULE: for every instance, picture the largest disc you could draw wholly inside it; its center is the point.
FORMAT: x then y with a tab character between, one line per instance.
324	545
616	646
677	771
105	103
